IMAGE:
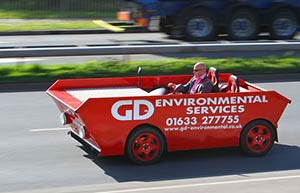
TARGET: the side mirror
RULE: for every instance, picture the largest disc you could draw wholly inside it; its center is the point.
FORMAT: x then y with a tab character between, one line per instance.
139	71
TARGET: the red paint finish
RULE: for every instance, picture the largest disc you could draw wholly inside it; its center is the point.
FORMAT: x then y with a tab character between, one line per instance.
185	121
258	138
145	146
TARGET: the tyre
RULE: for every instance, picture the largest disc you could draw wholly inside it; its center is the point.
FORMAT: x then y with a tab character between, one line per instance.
145	146
199	26
257	138
283	25
242	26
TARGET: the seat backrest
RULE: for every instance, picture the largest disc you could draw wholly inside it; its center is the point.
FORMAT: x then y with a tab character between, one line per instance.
213	75
233	84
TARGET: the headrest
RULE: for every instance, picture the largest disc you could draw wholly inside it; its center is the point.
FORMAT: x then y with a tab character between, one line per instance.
233	84
213	75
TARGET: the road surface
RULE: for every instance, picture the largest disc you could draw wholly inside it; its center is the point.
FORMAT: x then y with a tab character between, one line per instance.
38	156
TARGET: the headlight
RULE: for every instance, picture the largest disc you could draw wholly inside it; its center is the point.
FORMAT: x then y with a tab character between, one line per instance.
82	132
63	118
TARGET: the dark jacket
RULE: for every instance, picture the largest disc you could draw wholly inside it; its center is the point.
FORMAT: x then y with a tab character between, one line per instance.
204	86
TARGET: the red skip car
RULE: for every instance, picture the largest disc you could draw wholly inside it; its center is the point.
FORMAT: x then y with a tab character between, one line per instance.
140	118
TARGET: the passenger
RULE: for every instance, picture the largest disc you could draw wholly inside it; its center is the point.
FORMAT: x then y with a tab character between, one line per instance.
198	84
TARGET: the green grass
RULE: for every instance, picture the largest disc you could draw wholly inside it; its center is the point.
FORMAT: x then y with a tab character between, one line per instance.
49	9
239	66
55	9
55	25
43	14
52	25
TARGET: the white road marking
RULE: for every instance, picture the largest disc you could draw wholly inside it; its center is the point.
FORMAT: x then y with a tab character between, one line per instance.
49	129
201	184
14	60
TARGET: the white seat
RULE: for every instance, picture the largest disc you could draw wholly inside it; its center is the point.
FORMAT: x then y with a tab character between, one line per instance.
243	89
158	91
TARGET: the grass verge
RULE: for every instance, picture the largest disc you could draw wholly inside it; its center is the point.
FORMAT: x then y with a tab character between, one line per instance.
44	14
54	25
239	66
49	25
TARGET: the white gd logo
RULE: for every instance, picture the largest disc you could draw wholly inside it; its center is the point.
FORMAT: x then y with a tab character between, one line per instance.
133	111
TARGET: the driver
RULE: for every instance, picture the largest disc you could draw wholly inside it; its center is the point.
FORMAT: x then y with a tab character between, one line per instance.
198	84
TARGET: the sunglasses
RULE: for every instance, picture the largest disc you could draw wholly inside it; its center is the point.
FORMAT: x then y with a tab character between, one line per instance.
196	70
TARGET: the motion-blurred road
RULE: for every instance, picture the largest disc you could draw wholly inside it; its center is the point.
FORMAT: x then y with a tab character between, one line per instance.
36	155
112	39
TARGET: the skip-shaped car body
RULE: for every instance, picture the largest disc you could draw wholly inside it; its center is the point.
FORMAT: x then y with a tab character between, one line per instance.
140	118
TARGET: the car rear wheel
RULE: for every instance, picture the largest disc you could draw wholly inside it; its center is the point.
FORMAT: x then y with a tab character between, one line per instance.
242	26
145	146
257	138
284	25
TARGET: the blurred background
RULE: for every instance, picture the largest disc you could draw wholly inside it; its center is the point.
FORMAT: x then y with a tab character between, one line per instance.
41	9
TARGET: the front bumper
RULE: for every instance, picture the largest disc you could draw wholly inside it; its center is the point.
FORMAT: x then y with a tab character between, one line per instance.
84	142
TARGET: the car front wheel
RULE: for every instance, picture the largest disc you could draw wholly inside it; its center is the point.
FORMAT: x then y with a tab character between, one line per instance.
145	146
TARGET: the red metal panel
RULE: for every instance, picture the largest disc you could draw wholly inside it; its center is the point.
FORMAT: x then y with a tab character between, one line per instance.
187	121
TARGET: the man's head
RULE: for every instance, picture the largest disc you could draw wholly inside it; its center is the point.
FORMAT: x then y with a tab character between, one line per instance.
199	69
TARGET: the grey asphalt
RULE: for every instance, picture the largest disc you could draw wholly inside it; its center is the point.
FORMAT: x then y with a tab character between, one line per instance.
37	158
90	40
33	159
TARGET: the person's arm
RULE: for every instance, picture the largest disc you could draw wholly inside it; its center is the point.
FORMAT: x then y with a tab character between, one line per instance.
184	88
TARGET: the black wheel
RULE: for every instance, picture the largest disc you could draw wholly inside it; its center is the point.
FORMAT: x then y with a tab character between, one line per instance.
167	30
145	146
166	26
242	26
257	138
283	25
199	25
